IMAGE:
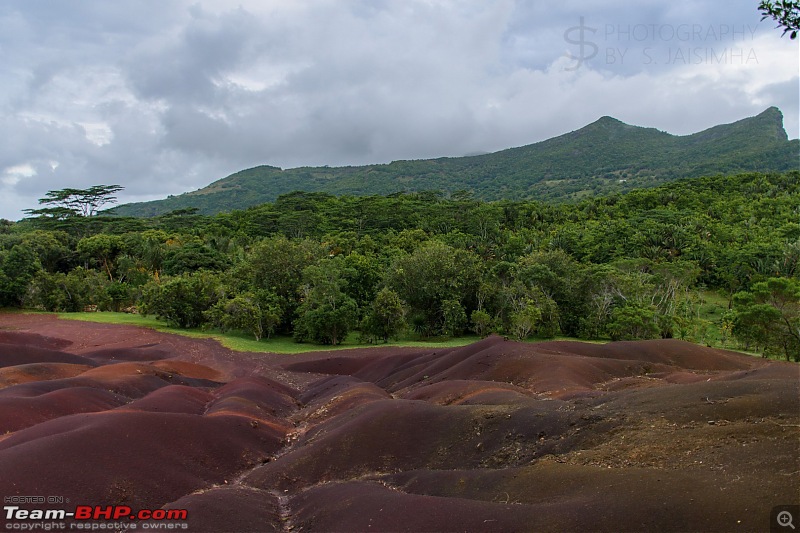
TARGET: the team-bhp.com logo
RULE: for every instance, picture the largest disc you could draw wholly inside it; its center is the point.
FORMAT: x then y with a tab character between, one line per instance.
87	517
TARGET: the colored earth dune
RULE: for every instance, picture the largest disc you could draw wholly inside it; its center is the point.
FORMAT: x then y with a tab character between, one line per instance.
494	436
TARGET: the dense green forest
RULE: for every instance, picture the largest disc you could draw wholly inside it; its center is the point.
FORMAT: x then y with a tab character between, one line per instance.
317	266
605	157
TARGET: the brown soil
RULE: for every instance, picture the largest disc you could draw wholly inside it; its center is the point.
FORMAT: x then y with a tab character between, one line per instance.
495	436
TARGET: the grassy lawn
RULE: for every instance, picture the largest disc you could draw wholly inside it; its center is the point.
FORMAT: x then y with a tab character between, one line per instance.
712	308
245	343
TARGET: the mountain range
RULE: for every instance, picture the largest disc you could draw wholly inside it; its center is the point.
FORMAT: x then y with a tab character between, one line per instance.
603	157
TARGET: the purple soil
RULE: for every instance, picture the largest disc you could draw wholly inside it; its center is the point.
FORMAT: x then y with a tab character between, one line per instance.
239	508
469	392
141	459
21	412
135	353
332	396
14	375
20	354
25	338
172	399
495	436
561	498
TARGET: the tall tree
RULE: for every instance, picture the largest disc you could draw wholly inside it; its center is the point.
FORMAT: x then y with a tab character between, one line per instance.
182	300
257	316
385	316
66	203
326	314
433	274
18	267
103	248
276	264
769	316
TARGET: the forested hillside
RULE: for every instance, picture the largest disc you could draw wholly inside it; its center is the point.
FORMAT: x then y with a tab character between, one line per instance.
318	266
602	158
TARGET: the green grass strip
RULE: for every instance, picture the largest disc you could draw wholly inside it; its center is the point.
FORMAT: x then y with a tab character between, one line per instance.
241	342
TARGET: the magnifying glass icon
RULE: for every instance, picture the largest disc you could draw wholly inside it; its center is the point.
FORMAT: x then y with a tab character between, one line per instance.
785	519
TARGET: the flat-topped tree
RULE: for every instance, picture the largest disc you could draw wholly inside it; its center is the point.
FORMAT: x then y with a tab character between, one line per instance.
67	203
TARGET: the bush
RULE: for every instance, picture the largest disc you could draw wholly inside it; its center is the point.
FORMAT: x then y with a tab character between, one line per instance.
454	318
633	323
258	316
181	300
385	317
481	322
72	292
525	320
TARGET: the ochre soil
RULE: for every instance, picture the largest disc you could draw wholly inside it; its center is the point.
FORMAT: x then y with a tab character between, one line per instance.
495	436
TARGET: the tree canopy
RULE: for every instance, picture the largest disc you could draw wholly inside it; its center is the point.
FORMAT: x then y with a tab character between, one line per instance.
64	203
646	264
785	12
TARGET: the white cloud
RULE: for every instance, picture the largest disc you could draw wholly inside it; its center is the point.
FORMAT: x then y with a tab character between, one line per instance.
168	104
98	133
12	175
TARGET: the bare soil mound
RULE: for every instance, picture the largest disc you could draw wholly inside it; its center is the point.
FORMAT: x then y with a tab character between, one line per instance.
14	375
22	354
151	352
172	399
28	339
231	508
25	411
495	436
140	459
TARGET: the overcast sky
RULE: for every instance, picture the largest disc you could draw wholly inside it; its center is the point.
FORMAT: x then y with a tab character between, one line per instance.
164	97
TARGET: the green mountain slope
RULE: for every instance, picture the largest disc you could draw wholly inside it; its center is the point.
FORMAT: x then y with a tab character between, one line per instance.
604	157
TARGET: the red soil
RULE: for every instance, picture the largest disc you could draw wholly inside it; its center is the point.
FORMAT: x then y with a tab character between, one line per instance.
495	436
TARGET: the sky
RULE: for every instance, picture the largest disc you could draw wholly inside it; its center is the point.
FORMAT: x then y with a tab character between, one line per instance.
167	97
